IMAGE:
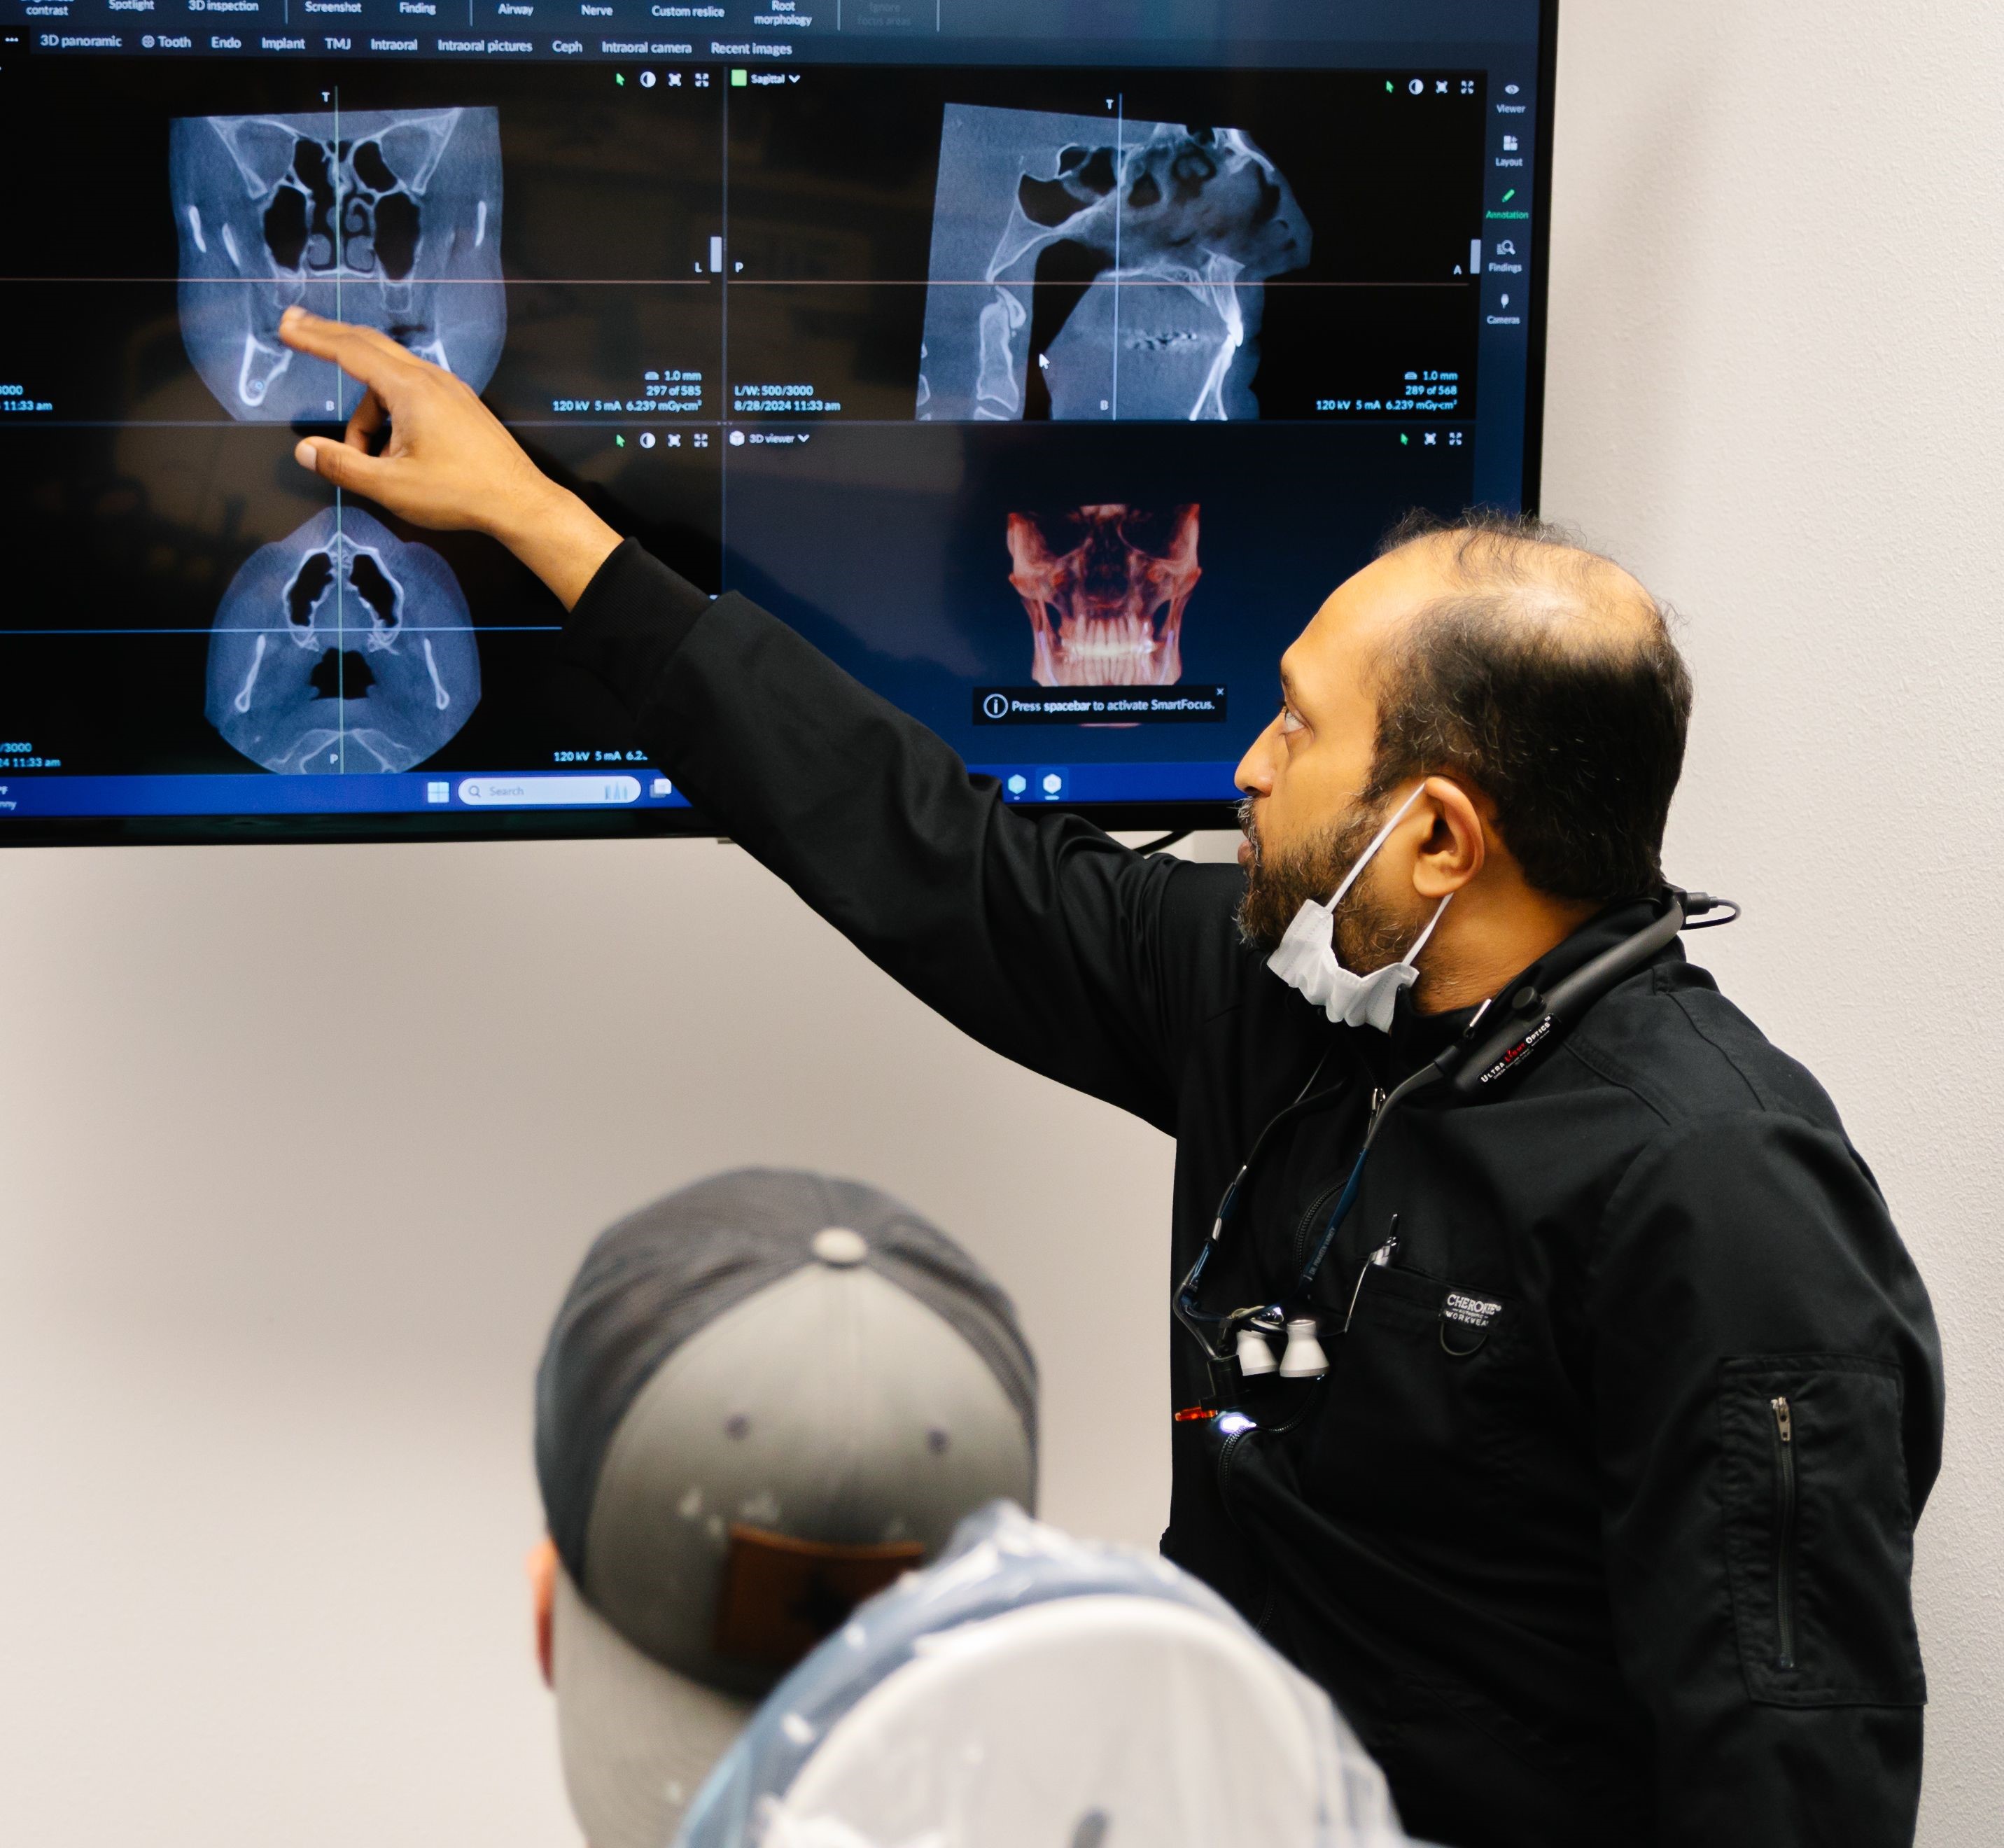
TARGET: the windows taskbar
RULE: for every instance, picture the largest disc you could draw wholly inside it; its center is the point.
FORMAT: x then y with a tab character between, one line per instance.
630	788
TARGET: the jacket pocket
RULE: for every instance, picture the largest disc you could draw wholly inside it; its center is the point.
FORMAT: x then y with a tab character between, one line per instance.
1417	1425
1818	1533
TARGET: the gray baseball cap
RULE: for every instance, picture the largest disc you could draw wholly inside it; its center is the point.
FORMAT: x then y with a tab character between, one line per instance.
764	1397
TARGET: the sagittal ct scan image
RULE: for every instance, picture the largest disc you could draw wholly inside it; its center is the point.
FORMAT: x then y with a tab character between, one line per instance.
392	219
1074	276
341	649
1108	610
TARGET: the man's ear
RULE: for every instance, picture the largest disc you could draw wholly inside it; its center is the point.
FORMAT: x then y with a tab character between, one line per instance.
542	1565
1456	847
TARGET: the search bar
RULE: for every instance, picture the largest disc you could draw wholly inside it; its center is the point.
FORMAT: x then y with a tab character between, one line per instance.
548	792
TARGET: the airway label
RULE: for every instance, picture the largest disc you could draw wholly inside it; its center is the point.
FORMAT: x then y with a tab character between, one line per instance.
1099	705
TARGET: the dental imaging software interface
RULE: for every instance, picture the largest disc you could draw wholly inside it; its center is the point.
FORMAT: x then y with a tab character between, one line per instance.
1047	382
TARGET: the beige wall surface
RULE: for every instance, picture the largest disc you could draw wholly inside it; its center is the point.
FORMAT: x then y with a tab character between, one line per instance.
298	1146
1777	392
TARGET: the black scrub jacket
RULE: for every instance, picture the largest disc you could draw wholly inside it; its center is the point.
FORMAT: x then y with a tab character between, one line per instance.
1600	1529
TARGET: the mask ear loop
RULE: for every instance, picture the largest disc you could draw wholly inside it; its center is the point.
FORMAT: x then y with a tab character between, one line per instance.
1420	941
1364	859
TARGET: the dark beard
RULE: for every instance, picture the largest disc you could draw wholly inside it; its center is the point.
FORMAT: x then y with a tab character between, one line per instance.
1367	936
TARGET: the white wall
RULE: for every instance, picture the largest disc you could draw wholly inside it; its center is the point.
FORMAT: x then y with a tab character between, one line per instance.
297	1147
1777	393
298	1150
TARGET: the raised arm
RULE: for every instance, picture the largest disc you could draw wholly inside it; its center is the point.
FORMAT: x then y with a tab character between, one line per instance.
1038	936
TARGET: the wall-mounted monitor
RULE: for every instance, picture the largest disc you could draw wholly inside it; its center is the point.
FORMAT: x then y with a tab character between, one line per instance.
1047	380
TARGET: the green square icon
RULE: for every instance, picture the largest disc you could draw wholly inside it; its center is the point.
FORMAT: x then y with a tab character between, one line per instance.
737	80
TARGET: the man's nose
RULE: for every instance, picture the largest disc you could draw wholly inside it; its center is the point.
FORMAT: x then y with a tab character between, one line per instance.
1254	775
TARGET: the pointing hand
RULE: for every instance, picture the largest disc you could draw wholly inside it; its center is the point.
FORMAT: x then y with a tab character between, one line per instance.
422	444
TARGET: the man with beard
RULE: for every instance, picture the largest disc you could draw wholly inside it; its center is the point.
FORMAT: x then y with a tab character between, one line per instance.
1586	1480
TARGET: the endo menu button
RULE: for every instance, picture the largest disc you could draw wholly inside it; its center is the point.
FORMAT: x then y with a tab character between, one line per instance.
548	792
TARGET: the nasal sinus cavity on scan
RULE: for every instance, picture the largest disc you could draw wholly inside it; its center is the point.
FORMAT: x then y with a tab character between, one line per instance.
388	218
342	649
1191	219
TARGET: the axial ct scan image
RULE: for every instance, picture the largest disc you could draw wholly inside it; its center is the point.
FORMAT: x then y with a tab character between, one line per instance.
1094	607
342	648
1074	276
389	218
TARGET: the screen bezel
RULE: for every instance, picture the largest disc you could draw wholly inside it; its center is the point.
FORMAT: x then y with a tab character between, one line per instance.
576	824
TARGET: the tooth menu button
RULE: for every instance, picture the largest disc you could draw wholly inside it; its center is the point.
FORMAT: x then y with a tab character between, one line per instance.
548	792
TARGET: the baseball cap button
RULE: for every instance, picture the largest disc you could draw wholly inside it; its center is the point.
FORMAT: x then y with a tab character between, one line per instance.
838	1245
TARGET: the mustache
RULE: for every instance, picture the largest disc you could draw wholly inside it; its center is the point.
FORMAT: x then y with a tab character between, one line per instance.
1248	824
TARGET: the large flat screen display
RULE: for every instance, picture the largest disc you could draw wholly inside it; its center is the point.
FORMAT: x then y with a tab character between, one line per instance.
1046	364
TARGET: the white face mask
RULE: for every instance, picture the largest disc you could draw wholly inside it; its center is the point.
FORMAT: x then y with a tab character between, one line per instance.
1306	957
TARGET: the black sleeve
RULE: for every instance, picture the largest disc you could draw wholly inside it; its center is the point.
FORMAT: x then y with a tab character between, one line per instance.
1768	1404
1037	934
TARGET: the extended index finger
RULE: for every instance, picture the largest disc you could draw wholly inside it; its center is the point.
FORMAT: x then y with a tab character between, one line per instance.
361	352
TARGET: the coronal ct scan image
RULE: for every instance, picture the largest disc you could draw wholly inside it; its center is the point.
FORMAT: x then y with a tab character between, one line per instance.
1077	274
1106	594
342	648
391	218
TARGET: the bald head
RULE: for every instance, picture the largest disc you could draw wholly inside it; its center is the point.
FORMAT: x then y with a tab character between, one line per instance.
1538	574
1545	676
1497	715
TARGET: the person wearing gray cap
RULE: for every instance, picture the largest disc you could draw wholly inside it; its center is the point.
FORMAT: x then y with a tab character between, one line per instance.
764	1398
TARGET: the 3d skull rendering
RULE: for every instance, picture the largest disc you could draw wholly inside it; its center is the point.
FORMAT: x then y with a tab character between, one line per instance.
392	219
342	648
1175	228
1093	608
